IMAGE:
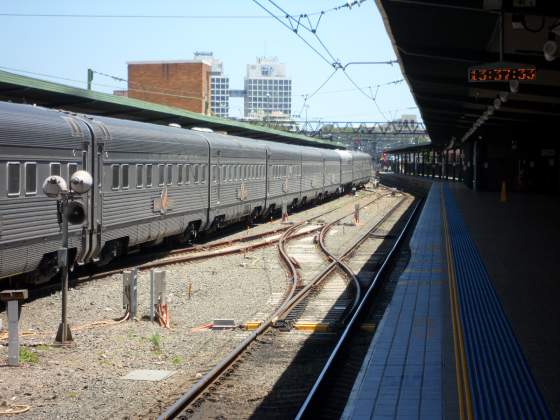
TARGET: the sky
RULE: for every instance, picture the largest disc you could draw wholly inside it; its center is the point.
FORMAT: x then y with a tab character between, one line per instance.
66	47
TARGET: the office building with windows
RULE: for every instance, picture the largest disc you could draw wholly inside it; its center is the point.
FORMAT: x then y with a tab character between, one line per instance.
219	84
268	91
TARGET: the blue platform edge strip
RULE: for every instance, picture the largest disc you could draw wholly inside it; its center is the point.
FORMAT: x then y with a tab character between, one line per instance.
501	383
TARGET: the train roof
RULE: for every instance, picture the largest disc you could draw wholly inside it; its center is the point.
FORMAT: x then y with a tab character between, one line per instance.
24	89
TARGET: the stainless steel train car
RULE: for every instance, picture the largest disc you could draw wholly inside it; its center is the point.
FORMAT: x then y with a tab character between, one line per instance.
151	183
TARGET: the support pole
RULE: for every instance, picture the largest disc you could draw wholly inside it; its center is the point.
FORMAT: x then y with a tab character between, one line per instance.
89	78
13	333
12	298
64	335
130	292
474	159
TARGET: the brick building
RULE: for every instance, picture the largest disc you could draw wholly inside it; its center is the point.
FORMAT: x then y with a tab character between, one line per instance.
182	84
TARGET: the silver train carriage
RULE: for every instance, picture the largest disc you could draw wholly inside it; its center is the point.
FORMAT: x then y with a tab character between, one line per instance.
151	182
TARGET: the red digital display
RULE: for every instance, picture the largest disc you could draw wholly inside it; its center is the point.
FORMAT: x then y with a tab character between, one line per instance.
502	74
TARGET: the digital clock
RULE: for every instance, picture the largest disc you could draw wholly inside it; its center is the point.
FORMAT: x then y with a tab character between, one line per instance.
501	73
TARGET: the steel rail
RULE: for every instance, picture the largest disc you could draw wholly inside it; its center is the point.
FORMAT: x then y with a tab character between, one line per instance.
319	277
196	390
357	312
217	370
336	262
344	266
206	251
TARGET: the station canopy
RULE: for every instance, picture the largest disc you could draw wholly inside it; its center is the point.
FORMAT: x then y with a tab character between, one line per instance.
456	55
23	89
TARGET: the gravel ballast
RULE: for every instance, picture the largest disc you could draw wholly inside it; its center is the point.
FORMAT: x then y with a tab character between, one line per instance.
86	380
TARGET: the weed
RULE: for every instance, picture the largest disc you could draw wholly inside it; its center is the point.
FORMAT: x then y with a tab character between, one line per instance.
155	339
177	360
28	356
42	347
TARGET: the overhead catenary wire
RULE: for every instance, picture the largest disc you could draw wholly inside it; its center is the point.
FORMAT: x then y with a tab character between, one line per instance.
50	76
335	62
309	96
297	34
348	5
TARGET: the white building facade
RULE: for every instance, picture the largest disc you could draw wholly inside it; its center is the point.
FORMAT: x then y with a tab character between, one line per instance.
268	91
219	84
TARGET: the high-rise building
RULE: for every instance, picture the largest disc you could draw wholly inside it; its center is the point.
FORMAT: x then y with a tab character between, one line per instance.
219	84
182	84
268	91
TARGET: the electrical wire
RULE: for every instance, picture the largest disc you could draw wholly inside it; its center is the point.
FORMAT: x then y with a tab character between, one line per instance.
348	5
311	95
298	35
94	16
335	62
81	82
394	82
372	98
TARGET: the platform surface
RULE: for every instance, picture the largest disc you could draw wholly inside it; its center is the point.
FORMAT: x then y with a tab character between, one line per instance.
447	308
408	371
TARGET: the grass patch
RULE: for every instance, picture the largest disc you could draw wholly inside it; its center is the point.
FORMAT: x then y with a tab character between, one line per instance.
177	360
28	356
155	340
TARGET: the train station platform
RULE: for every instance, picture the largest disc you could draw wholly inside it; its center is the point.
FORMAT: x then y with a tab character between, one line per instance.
445	347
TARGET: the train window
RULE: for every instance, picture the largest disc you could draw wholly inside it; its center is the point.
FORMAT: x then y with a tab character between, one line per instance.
195	174
169	174
227	172
161	175
243	172
223	167
72	167
116	177
214	170
139	176
30	178
237	172
149	175
13	178
187	174
55	168
203	173
125	176
179	174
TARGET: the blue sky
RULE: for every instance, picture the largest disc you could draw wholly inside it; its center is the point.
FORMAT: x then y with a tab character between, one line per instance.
66	47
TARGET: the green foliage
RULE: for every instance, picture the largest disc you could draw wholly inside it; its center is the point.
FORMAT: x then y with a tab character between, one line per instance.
27	356
155	340
177	360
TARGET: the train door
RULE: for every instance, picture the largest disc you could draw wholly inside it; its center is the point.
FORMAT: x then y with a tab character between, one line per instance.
93	163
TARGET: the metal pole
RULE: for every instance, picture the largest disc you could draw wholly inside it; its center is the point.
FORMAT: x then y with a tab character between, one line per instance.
89	78
474	159
152	303
64	335
13	333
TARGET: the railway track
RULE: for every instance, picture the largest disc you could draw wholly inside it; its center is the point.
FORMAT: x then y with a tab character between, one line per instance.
158	258
268	347
328	395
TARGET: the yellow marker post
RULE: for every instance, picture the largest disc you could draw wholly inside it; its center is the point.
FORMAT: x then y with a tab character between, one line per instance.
503	193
